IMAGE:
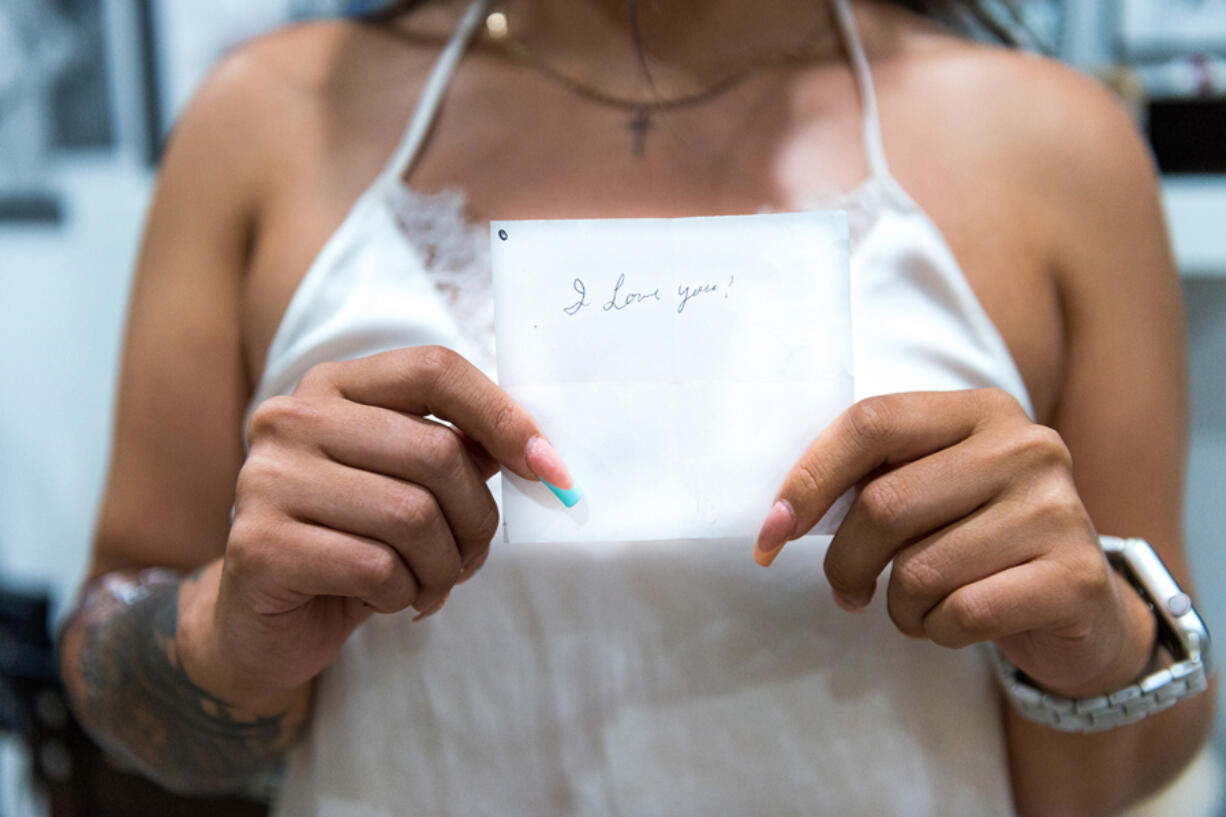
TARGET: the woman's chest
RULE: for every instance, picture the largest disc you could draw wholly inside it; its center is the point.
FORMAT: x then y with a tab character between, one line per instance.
995	257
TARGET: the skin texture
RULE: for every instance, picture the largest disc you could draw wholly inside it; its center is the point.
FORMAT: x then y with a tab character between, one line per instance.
1038	181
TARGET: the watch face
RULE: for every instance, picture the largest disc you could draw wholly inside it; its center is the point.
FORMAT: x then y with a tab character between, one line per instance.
1181	631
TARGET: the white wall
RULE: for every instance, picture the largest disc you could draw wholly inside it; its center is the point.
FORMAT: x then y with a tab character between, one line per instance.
64	294
1205	519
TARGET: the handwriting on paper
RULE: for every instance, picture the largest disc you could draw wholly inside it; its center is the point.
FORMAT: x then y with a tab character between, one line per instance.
624	297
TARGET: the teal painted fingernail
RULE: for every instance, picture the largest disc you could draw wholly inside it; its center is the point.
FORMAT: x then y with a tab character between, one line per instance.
567	496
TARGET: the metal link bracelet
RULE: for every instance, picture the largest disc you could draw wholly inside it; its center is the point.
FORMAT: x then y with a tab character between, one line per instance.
1153	693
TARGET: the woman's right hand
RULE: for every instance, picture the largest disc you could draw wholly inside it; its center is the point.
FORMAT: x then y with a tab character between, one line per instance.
352	501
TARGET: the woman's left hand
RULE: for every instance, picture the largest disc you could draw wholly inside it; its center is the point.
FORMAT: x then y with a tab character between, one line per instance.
976	507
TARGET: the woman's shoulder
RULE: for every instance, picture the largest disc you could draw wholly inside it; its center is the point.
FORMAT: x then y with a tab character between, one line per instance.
1041	150
1030	121
308	76
1037	176
327	57
307	98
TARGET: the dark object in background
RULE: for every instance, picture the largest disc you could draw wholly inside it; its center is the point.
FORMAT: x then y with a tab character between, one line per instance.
150	82
30	208
80	100
79	780
1189	135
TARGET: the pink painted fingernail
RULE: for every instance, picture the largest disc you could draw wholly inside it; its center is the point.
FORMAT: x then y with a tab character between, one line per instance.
779	526
548	466
546	463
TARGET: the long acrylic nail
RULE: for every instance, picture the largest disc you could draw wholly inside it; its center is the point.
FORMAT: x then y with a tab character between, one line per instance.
779	526
567	497
552	472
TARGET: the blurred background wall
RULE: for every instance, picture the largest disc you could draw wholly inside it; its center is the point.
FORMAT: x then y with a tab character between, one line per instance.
88	89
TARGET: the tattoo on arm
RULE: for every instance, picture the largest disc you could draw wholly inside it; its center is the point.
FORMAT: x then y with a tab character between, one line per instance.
131	690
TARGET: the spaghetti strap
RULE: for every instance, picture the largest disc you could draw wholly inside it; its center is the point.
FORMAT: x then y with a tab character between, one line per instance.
432	96
874	146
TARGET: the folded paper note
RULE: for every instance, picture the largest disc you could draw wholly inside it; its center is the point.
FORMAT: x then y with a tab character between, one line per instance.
679	366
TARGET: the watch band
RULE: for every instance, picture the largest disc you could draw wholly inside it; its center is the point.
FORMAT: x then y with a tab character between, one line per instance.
1153	693
1180	630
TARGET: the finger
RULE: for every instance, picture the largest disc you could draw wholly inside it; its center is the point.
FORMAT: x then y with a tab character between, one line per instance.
487	466
1032	596
419	451
325	562
404	516
435	380
905	504
471	569
972	549
879	431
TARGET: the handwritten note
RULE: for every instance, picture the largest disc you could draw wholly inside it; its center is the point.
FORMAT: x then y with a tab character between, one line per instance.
679	366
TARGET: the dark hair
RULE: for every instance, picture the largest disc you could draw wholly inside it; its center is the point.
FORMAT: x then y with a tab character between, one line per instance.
969	16
972	17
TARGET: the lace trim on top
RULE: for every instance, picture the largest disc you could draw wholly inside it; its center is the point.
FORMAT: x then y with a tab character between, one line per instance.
455	254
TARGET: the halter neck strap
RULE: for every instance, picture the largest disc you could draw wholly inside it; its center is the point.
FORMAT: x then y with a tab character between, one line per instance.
432	95
870	123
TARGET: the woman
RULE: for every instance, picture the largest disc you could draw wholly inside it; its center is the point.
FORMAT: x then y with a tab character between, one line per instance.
1015	312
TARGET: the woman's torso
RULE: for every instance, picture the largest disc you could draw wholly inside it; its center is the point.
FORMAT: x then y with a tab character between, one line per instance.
576	670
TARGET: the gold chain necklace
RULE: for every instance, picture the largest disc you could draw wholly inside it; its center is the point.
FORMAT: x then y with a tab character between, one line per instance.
641	109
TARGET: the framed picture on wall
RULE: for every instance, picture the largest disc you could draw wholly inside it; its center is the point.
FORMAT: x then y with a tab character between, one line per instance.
38	45
74	80
79	95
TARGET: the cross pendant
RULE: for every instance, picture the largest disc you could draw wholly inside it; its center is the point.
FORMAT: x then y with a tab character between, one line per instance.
638	129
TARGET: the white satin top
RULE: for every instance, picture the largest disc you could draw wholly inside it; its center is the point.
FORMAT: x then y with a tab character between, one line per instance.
665	678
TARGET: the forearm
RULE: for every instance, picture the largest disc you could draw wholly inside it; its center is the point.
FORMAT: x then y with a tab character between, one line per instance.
120	658
1056	774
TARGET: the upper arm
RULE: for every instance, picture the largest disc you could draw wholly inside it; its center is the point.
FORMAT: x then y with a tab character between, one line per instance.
1067	222
177	441
1085	282
260	132
1121	406
1123	400
1065	242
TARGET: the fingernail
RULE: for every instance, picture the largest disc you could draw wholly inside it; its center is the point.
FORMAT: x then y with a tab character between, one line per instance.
432	610
472	571
551	471
779	526
852	602
566	497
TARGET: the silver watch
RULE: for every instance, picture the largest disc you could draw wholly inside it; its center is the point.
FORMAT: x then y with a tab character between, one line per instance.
1181	631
